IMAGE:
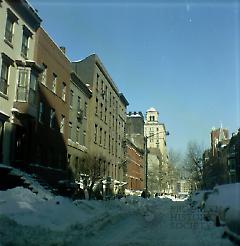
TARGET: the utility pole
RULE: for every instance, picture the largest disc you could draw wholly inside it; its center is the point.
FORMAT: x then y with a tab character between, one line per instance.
146	162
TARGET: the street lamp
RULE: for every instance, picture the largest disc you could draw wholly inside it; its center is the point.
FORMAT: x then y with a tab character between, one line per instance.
146	154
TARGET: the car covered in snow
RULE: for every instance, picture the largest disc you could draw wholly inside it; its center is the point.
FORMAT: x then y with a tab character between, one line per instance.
222	205
197	198
232	220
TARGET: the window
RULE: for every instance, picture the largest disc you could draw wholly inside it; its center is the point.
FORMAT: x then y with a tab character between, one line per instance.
70	130
105	116
63	91
25	41
71	98
104	168
106	92
112	146
54	83
9	30
77	134
44	74
100	141
152	118
4	77
96	111
102	86
52	117
104	139
79	104
26	86
41	112
108	169
85	109
62	123
110	118
32	89
95	133
84	138
22	87
97	82
101	111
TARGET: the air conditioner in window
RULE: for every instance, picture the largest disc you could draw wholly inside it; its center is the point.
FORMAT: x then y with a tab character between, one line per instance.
80	115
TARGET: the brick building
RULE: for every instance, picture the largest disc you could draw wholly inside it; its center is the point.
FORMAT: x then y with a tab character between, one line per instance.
53	106
135	151
135	167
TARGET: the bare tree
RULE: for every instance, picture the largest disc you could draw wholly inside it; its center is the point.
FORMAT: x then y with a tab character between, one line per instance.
174	157
92	165
174	162
194	164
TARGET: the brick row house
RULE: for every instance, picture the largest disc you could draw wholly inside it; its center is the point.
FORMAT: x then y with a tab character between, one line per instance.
53	111
53	107
221	163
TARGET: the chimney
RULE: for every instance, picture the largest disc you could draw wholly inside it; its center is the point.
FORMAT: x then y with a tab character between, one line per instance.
63	49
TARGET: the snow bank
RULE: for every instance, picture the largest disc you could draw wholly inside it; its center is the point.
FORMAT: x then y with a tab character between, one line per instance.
28	218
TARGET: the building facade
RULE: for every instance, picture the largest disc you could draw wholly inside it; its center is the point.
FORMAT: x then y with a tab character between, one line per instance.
218	136
18	84
155	136
78	119
156	133
135	167
215	164
107	117
233	158
53	106
135	151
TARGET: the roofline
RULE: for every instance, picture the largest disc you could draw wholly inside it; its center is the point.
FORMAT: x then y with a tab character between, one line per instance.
83	86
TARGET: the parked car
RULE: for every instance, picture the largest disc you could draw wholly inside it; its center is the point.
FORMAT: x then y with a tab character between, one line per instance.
197	199
220	204
232	220
182	195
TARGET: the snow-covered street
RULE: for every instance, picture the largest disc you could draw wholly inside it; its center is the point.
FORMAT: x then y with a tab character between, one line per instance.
27	218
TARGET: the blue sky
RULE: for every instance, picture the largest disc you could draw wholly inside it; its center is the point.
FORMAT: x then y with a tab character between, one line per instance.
180	57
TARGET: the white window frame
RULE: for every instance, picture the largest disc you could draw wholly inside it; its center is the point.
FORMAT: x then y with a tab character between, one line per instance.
54	83
62	124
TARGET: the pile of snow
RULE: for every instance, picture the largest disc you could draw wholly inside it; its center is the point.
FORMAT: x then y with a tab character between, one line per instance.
32	218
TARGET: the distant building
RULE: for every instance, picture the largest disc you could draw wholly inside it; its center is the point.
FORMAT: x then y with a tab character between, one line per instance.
135	128
183	186
135	167
155	134
215	167
18	84
135	151
218	136
233	158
